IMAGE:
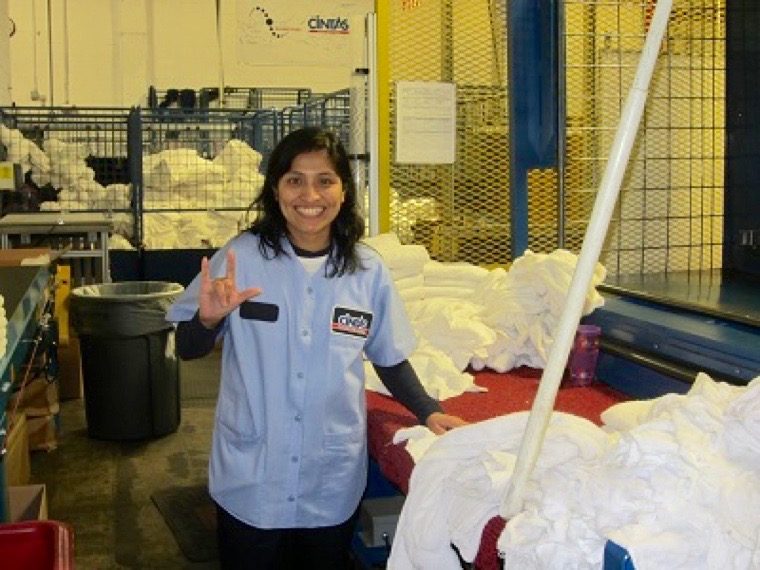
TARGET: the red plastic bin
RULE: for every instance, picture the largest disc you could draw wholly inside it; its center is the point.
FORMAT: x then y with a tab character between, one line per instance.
36	545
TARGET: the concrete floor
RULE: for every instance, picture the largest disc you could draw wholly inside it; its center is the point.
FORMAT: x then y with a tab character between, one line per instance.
103	488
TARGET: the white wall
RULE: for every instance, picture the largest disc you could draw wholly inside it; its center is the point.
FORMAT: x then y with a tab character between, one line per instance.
108	52
5	59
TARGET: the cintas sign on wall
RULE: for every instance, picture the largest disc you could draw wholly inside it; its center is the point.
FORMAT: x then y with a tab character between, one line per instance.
305	32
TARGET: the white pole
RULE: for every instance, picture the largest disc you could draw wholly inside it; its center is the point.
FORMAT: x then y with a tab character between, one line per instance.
606	197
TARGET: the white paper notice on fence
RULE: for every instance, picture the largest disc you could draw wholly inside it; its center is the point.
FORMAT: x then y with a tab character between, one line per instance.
426	122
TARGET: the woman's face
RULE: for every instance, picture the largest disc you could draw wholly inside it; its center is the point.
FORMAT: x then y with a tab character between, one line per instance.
310	195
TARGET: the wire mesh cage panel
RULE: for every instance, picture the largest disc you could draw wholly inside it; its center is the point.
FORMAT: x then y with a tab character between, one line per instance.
459	211
277	97
232	97
74	159
200	174
331	111
669	215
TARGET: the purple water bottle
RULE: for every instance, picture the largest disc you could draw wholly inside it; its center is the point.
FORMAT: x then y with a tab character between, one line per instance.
583	355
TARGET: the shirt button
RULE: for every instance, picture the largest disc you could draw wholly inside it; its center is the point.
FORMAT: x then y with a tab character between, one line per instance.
291	499
299	375
304	333
298	417
294	459
309	290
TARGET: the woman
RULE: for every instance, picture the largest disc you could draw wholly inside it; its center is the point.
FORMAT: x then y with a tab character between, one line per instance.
299	303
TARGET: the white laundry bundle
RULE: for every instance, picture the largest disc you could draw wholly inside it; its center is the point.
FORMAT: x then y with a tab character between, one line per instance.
160	230
173	167
242	188
23	151
402	260
3	328
189	230
454	328
238	156
525	304
678	488
65	167
457	485
478	317
438	374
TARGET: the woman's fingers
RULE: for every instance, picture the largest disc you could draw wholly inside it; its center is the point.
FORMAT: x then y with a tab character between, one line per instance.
249	293
223	291
205	277
231	264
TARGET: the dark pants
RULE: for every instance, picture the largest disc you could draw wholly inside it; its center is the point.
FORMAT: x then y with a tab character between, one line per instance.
242	546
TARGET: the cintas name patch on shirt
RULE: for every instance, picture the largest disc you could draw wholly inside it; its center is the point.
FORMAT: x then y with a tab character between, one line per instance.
352	322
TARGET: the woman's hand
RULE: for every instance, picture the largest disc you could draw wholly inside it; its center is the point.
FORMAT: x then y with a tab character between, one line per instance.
219	297
440	423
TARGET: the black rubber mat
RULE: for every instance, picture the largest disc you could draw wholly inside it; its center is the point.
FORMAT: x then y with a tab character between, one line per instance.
191	515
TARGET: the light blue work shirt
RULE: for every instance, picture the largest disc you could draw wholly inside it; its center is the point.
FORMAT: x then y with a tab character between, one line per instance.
289	447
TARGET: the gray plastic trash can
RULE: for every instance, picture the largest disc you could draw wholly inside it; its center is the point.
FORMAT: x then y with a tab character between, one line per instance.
129	364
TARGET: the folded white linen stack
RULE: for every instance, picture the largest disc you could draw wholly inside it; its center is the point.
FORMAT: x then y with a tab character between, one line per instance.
402	260
452	280
475	317
3	328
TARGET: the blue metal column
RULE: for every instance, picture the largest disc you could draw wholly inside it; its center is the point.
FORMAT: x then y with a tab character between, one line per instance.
532	39
134	159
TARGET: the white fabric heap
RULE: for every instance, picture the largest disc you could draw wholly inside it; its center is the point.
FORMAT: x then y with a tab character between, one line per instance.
465	315
452	280
23	151
62	165
455	489
3	328
524	305
189	230
402	260
181	179
679	487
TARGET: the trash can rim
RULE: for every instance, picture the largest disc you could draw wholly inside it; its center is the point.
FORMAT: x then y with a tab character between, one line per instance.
172	289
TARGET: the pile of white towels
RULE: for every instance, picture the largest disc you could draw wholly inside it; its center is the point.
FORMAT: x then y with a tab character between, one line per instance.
218	189
190	201
469	316
675	480
62	165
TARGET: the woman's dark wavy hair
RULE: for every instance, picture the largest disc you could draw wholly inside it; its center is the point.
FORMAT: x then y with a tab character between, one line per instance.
347	228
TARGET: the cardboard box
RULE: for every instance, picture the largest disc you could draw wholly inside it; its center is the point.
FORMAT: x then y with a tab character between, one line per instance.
43	432
27	503
18	468
26	256
70	384
39	398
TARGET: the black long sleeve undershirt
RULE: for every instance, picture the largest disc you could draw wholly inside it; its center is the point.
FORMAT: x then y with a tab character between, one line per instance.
404	385
195	340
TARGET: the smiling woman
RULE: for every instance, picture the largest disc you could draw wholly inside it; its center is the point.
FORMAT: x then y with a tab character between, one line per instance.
288	458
